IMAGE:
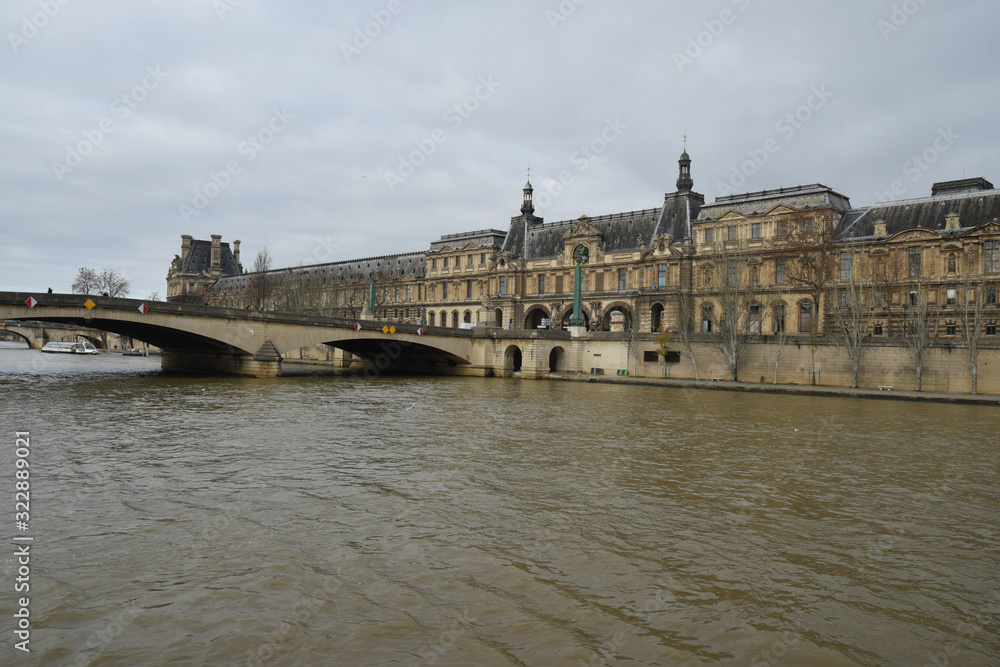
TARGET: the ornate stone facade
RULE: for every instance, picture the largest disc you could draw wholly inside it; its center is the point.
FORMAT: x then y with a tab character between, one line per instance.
791	254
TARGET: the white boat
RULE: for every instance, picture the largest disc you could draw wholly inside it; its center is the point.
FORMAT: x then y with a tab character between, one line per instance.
61	347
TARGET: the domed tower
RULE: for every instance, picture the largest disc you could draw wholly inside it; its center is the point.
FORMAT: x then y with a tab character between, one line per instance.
527	206
684	182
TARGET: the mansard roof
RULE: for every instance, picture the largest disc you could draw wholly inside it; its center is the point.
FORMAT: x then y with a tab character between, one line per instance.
411	264
484	238
199	259
974	208
801	197
531	238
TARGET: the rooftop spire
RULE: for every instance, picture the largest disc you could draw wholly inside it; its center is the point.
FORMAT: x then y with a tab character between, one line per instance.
527	206
684	182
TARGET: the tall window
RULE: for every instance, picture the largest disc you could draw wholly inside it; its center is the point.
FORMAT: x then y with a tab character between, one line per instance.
915	256
541	284
661	275
755	230
706	318
622	279
503	285
444	290
409	293
846	265
470	259
732	270
397	293
805	317
732	232
709	235
807	225
482	258
446	262
434	263
781	228
420	292
430	319
468	286
991	256
779	317
779	270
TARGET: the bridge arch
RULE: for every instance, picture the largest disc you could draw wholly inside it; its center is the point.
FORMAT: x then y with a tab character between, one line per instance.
533	318
513	360
242	342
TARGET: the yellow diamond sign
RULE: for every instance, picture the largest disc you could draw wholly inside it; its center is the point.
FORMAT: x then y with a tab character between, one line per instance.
90	304
392	329
385	329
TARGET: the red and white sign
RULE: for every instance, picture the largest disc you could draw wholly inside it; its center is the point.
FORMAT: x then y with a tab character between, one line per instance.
31	303
143	309
420	332
357	327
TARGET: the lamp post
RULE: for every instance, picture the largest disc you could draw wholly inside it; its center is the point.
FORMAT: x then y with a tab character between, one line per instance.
580	257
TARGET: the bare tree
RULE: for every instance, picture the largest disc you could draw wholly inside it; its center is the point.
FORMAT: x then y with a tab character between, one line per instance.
737	295
809	244
919	328
261	282
976	293
109	282
854	310
685	327
87	282
780	335
113	283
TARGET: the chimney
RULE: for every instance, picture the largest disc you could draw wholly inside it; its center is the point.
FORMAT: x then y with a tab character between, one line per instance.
236	254
216	251
186	241
951	223
880	230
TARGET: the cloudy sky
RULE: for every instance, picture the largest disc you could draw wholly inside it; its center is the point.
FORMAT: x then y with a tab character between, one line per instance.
331	131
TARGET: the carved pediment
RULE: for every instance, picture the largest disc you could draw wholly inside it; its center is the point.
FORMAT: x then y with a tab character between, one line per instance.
581	228
781	209
991	228
731	216
914	235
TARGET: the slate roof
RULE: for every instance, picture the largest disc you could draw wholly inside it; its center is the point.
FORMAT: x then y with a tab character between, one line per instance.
973	207
485	238
801	197
529	237
199	259
405	264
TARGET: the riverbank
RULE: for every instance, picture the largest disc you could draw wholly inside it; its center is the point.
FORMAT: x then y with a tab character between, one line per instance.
762	388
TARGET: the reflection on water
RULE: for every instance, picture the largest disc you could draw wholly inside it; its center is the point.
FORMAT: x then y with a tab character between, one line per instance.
339	520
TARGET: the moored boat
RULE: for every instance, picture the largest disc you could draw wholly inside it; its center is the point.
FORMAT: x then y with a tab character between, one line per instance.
68	347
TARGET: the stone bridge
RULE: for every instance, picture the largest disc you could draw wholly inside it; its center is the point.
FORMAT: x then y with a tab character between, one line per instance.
37	334
252	343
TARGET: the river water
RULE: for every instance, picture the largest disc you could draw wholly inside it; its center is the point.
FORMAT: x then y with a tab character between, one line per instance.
337	520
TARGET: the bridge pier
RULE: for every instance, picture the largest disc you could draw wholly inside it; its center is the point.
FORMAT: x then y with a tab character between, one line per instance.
222	363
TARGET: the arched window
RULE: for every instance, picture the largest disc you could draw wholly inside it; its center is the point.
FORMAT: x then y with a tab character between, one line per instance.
430	319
